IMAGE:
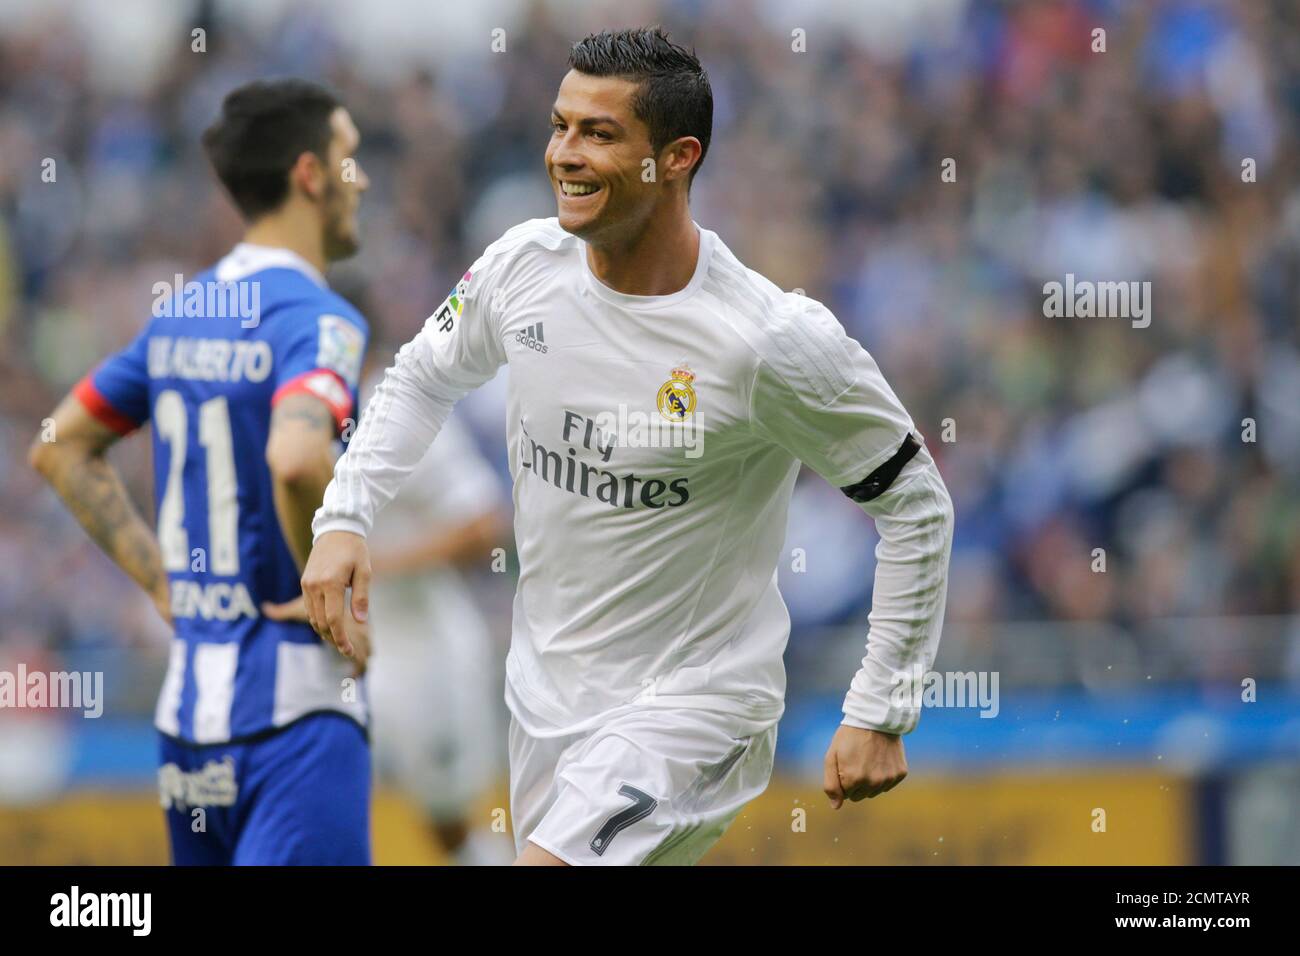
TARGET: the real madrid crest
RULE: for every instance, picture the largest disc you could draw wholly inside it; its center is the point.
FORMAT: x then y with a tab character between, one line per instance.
677	396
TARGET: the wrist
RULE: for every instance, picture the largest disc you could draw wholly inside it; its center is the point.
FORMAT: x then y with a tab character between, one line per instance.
323	526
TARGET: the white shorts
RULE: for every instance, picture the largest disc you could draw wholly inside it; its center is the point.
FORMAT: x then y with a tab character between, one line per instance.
655	786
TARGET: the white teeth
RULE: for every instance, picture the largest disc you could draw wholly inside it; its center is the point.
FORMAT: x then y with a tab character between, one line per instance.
577	189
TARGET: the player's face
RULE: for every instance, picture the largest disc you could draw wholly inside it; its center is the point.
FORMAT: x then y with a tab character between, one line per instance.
596	156
344	183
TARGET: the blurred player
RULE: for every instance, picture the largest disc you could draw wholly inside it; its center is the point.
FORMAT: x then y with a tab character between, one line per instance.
433	691
645	674
248	374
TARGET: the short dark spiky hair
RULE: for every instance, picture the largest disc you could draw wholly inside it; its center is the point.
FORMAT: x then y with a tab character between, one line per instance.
674	98
263	128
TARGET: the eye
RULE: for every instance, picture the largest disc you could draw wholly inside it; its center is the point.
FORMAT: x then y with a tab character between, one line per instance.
557	126
601	135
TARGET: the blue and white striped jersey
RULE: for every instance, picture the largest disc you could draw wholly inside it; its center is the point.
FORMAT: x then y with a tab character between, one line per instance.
207	370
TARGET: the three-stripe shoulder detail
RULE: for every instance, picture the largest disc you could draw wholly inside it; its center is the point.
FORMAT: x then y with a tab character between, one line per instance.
795	336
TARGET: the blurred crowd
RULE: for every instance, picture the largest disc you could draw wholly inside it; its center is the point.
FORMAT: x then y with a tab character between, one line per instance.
1169	155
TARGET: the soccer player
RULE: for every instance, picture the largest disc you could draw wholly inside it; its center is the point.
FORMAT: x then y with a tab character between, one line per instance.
248	374
434	691
645	677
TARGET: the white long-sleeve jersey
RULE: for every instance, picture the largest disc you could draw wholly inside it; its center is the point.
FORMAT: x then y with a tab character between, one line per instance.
654	444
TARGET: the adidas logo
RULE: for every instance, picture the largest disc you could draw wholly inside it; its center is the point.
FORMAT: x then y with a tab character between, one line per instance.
533	338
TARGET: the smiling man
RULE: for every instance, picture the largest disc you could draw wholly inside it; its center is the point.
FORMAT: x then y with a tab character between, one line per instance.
645	674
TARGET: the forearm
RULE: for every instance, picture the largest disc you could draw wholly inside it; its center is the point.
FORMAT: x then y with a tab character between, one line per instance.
295	506
914	520
93	492
401	421
300	457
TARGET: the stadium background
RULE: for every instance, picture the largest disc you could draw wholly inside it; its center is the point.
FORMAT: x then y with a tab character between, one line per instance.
1120	690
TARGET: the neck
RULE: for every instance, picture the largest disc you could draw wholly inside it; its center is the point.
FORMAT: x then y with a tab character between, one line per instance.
286	229
659	260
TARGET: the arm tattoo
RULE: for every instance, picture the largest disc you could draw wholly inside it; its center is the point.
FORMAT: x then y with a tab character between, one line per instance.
96	497
308	410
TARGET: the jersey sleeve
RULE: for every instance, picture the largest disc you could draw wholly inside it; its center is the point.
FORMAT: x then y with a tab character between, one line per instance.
463	333
117	391
457	350
820	395
321	355
914	518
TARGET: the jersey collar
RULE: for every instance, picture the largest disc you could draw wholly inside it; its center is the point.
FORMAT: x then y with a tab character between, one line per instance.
247	259
614	297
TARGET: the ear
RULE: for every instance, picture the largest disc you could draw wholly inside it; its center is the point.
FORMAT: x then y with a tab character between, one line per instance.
680	157
308	175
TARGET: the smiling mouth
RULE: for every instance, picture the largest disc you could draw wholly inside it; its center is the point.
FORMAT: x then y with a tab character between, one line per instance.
578	190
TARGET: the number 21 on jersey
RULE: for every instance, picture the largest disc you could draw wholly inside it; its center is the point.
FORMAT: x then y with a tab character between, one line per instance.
171	419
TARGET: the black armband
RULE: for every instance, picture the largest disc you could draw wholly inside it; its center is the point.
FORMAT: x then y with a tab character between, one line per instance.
875	483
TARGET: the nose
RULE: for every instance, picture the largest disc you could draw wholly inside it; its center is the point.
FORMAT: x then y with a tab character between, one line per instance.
565	152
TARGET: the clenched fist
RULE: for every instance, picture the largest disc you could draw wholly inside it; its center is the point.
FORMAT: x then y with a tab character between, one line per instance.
862	764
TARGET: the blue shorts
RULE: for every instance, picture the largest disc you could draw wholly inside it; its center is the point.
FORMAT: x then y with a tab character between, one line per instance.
299	796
